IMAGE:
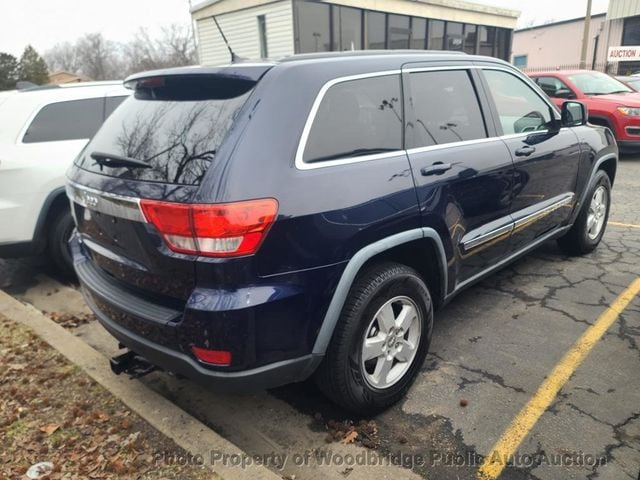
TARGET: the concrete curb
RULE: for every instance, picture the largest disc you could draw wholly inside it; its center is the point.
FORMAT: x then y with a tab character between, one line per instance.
186	431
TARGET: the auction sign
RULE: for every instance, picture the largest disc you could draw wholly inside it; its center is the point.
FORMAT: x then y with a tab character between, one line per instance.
623	54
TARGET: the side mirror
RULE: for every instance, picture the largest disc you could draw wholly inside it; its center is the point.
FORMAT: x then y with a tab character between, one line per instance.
564	93
574	114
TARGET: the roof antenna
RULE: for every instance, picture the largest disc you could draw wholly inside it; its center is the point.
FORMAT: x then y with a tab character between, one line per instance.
234	58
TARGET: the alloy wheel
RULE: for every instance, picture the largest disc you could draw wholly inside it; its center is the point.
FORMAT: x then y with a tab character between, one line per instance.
391	342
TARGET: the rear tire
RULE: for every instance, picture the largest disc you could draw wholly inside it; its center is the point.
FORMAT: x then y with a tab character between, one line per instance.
388	308
60	230
588	229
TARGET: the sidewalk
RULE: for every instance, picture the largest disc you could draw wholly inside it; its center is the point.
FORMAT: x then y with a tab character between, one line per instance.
60	403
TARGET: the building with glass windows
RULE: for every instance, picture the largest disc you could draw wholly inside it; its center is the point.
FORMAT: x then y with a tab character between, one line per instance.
272	29
536	48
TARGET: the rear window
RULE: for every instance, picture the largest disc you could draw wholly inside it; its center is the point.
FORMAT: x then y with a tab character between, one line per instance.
356	118
176	128
73	120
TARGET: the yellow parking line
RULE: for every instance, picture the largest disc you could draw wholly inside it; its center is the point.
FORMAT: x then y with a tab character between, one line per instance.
519	428
619	224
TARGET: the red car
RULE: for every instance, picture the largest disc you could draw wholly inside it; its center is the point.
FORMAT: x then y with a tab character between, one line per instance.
610	102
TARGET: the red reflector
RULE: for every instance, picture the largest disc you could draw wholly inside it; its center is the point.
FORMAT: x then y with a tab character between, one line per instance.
216	230
214	357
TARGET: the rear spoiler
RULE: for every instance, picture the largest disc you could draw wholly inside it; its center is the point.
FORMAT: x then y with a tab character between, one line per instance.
251	72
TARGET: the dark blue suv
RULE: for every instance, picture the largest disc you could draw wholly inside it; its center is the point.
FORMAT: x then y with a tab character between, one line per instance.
254	224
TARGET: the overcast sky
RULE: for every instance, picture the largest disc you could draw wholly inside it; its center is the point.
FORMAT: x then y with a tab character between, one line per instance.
44	23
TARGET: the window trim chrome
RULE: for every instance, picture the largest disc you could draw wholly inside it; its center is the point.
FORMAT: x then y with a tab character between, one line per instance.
300	164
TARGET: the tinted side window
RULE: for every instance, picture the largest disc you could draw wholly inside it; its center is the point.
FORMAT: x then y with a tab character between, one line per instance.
446	107
357	117
519	107
110	104
551	85
73	120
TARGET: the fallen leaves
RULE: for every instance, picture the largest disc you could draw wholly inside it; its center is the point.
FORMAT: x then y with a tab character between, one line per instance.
364	432
350	437
68	320
52	413
50	428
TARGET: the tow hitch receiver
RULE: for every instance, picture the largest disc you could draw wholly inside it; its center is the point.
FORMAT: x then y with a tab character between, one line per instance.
132	364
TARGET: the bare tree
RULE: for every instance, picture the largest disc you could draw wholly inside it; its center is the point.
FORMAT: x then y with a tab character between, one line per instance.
99	57
173	48
180	44
103	59
63	56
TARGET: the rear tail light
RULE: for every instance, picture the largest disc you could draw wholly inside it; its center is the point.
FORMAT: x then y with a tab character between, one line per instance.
216	230
214	357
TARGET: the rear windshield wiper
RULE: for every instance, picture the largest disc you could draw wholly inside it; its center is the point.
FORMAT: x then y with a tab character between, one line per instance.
111	160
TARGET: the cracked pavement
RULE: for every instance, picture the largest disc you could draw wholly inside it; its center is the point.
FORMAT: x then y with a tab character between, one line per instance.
492	346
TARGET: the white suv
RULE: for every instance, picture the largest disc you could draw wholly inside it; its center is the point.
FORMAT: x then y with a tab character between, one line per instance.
42	130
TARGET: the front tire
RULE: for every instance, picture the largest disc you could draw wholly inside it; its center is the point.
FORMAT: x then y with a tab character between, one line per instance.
60	230
380	341
588	229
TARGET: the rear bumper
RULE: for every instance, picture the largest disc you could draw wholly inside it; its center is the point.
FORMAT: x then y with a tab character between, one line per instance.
271	339
266	376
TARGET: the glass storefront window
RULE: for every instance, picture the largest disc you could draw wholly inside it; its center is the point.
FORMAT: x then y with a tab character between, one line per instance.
630	36
631	31
347	28
470	32
503	43
376	30
398	31
487	40
436	35
454	36
418	33
313	30
322	27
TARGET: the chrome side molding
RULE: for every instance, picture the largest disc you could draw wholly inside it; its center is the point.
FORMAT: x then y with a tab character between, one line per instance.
524	221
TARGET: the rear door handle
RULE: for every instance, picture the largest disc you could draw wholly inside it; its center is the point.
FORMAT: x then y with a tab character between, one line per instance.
437	168
525	151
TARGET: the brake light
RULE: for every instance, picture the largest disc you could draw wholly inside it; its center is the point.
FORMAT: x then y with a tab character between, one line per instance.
213	230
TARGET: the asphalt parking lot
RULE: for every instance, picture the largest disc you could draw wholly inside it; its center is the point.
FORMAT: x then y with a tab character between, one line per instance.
493	348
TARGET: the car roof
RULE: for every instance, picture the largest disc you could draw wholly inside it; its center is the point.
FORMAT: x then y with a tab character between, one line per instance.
50	86
369	60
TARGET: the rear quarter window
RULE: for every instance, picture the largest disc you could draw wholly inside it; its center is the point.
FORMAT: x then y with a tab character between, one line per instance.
356	118
71	120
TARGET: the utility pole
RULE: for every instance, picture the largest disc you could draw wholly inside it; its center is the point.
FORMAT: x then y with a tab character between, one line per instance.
585	36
